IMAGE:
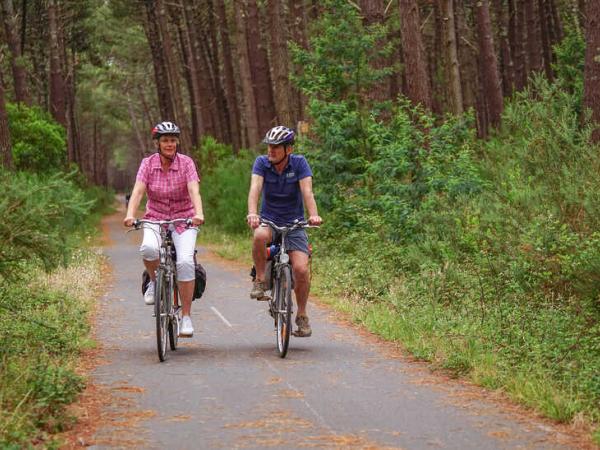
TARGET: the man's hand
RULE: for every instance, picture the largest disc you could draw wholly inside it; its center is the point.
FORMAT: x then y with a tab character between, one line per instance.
315	220
198	219
128	221
253	220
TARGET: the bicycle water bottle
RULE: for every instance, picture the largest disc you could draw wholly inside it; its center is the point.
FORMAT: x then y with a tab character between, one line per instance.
272	251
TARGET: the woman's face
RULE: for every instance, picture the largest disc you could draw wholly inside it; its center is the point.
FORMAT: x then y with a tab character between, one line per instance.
168	145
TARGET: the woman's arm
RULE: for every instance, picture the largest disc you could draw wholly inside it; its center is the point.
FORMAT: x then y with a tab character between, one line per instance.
138	192
194	191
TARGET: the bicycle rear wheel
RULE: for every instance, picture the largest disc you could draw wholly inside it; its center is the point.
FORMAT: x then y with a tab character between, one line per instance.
161	313
283	303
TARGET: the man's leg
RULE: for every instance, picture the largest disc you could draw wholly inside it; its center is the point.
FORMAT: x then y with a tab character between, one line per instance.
301	279
262	236
299	261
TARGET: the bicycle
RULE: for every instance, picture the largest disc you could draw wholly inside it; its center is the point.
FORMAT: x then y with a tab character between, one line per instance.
167	308
280	278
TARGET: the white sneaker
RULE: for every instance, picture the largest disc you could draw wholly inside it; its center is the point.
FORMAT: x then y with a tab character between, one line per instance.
149	295
186	330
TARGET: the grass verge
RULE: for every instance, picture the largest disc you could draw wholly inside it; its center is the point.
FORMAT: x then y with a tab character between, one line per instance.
43	329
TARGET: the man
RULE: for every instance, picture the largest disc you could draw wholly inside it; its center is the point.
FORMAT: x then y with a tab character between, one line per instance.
285	181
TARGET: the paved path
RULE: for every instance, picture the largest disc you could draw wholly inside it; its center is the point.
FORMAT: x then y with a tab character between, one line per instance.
226	387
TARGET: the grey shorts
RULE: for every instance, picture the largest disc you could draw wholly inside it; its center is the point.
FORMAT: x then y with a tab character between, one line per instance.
296	240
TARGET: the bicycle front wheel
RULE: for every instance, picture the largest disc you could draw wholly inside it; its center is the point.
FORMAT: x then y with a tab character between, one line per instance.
283	304
161	312
174	319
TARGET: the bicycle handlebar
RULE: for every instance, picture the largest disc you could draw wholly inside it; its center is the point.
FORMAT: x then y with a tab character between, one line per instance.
139	222
290	227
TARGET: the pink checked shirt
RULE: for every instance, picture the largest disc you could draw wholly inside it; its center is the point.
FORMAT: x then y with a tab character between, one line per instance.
168	196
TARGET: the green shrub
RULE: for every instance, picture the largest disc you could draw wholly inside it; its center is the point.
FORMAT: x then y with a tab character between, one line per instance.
39	143
224	184
41	218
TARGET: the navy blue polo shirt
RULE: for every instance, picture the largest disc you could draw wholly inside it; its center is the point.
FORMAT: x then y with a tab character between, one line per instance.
281	196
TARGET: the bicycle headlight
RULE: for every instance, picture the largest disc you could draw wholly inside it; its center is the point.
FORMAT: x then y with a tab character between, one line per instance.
285	258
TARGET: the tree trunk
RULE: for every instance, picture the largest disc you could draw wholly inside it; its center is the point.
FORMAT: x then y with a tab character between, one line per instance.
490	79
506	62
436	65
451	56
139	137
467	54
592	65
73	147
186	38
172	65
17	66
5	147
556	29
298	25
534	42
373	13
208	113
249	101
222	114
259	66
23	25
280	66
230	87
545	34
518	42
417	78
158	62
57	85
99	172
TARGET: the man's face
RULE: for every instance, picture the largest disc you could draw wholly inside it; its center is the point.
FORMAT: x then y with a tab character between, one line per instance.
168	144
277	153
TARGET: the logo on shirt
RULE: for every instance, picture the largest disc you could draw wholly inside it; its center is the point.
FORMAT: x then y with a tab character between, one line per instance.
291	174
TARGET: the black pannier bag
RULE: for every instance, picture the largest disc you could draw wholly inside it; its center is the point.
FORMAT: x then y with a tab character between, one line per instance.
199	286
200	281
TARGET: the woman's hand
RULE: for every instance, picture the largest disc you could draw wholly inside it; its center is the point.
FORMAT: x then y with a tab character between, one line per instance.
128	221
198	219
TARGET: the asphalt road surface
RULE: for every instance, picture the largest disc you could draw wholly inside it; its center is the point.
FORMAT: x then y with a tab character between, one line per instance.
226	387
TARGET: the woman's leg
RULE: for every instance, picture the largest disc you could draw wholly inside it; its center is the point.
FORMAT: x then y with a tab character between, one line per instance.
149	249
185	244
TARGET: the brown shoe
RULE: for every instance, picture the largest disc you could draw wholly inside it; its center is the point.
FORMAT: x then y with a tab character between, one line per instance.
304	329
258	291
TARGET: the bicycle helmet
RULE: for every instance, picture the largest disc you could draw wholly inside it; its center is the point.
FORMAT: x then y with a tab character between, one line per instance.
165	129
280	135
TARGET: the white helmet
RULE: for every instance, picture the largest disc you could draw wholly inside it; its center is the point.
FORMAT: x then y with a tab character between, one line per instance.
165	128
280	135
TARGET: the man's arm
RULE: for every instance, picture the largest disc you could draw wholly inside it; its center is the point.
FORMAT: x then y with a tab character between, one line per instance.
256	185
309	201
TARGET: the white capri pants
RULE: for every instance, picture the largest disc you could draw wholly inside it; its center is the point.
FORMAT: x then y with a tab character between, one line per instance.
185	244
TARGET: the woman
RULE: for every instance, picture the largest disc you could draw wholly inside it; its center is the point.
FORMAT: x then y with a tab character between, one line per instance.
170	180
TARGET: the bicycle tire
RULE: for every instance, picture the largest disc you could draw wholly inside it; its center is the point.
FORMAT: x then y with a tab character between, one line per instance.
160	312
174	321
283	304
